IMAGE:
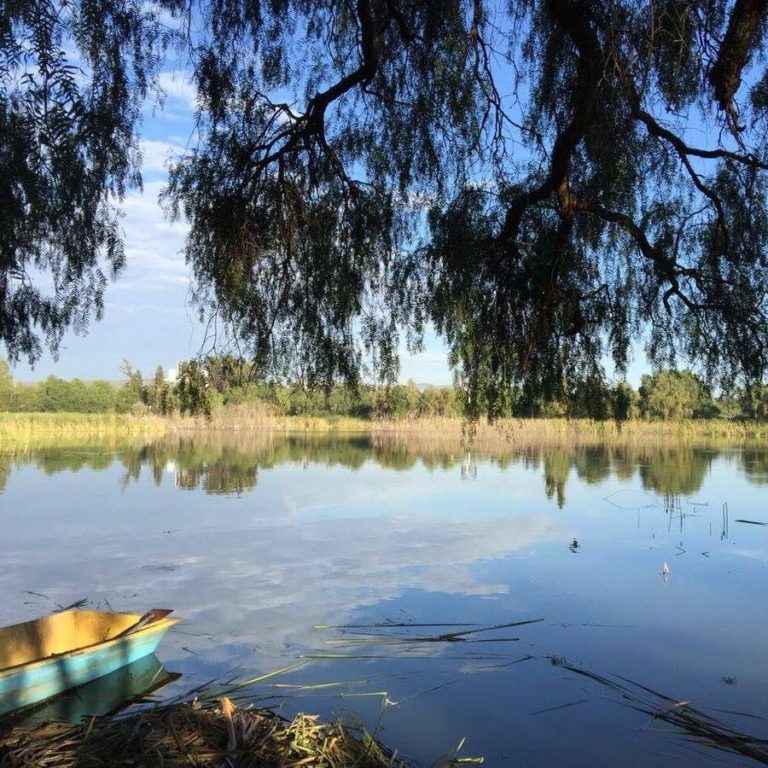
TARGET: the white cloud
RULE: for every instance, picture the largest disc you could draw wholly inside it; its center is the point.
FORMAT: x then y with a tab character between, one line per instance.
153	246
179	86
156	156
283	577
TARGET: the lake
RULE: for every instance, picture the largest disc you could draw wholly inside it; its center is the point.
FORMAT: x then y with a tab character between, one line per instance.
397	578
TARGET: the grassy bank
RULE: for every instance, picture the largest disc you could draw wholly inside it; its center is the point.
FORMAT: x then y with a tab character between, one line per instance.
28	430
38	429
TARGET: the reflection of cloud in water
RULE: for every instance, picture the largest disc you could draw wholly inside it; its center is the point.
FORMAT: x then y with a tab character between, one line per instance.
264	589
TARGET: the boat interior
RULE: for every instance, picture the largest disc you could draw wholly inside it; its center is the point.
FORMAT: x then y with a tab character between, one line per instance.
59	633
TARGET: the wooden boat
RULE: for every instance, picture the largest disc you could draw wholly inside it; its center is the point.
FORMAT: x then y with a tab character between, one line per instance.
44	657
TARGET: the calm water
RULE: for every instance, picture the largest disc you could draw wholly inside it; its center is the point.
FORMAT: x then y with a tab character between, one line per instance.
266	548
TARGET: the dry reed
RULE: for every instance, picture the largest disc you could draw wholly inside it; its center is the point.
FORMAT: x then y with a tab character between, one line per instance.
193	735
689	721
501	433
30	430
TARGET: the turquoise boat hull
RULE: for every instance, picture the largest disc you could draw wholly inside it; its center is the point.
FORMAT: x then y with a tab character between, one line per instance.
33	682
106	695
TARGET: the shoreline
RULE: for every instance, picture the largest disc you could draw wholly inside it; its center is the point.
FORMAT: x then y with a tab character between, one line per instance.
28	430
195	733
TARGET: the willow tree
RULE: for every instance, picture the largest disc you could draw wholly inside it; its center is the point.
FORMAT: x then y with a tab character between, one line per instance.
541	180
73	79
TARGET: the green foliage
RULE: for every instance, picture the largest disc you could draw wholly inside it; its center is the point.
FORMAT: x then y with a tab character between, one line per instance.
624	402
56	395
160	395
590	398
399	401
674	395
73	79
204	386
193	390
125	400
524	176
27	398
99	397
754	402
134	381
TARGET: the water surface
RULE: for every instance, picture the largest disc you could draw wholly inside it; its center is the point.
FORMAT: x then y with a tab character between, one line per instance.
266	547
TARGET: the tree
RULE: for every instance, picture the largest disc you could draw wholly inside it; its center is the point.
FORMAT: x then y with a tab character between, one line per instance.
27	398
160	395
383	176
193	389
56	395
134	384
623	402
100	397
673	395
589	398
754	403
529	177
73	78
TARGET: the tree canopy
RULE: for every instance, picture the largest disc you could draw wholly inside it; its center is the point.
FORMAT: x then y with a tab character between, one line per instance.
541	180
73	79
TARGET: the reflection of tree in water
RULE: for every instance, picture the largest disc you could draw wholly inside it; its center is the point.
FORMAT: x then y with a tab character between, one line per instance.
5	470
593	464
330	450
673	472
557	467
755	463
53	460
230	473
230	476
625	462
229	462
469	467
215	469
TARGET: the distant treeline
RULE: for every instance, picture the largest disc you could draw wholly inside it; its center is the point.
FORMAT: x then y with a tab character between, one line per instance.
202	387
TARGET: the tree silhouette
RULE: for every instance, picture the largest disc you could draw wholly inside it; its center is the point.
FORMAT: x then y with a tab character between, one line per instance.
526	177
542	181
73	78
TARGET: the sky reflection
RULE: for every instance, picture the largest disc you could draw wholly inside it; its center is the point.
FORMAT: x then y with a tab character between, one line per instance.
255	545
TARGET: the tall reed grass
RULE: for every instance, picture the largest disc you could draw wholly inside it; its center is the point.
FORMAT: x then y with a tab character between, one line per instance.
501	433
18	430
28	430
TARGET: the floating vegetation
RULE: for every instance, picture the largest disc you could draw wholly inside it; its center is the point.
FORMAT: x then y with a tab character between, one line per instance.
692	723
355	634
186	734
